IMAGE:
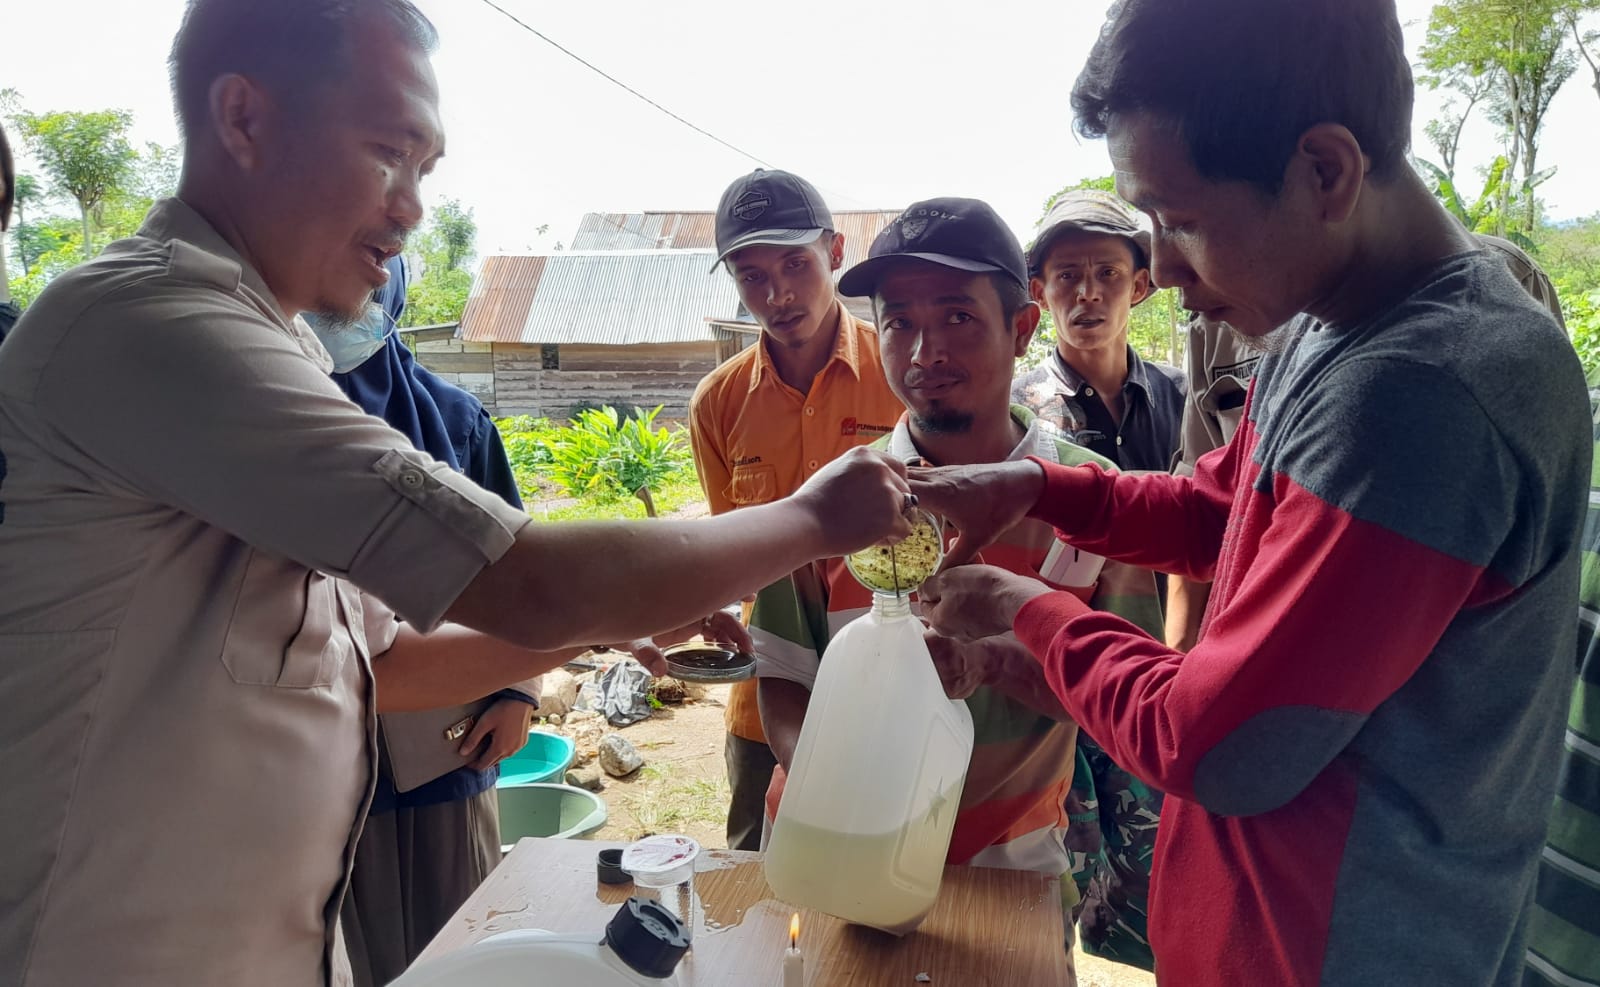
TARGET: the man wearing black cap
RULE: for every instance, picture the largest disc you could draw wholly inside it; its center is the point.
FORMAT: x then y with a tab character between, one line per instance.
949	289
769	418
1089	266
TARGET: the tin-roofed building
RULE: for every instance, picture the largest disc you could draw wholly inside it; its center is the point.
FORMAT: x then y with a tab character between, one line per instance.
633	315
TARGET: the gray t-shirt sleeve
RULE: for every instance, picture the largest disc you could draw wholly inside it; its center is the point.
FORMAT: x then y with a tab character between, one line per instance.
1397	443
193	400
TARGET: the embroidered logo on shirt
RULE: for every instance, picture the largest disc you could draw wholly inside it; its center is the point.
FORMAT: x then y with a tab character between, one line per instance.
750	461
852	427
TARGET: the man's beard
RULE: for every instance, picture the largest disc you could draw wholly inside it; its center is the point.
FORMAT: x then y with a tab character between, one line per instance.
1275	341
946	421
339	317
336	321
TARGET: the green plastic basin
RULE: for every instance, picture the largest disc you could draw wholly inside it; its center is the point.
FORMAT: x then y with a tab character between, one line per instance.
560	812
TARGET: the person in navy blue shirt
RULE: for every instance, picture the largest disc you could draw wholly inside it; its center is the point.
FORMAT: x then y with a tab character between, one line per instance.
1089	266
423	851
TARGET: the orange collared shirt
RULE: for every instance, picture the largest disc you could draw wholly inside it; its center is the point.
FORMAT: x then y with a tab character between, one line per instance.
756	439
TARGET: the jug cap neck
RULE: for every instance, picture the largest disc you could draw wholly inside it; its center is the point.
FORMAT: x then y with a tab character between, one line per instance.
647	937
891	604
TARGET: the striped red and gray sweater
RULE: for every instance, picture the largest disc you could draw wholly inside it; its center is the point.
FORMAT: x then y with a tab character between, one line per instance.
1360	752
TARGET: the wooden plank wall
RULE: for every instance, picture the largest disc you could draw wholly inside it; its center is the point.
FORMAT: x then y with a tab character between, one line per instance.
590	376
510	378
469	366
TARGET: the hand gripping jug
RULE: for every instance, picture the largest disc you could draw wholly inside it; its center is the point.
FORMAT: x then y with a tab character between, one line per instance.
871	799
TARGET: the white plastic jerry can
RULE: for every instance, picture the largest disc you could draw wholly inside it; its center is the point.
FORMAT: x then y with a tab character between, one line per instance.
642	946
870	802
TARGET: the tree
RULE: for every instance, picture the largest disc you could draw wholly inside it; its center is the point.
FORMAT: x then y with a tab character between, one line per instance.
1520	47
86	154
27	192
153	172
445	244
1585	41
437	298
152	175
1483	215
1445	133
456	231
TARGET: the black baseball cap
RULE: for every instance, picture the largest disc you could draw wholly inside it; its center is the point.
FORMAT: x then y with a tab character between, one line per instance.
769	207
965	234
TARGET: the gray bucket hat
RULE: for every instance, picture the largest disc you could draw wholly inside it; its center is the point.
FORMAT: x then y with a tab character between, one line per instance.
1090	211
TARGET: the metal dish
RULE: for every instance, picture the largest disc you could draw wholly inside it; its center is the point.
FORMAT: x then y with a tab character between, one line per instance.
708	663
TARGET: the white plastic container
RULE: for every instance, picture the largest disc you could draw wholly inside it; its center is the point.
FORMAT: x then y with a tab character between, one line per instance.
662	868
662	861
640	949
870	802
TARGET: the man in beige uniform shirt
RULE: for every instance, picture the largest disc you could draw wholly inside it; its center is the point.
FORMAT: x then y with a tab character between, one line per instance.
189	506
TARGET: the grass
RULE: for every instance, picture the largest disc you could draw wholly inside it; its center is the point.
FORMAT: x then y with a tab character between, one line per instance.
675	495
672	803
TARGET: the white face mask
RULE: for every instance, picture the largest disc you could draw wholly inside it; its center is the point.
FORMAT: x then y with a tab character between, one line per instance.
351	343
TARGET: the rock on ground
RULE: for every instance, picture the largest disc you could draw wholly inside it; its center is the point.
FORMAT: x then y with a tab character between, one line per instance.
587	777
618	757
559	690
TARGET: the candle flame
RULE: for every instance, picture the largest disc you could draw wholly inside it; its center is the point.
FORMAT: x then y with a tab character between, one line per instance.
794	931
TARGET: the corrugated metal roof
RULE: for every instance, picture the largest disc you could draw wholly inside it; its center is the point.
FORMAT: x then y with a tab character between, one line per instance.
501	296
631	278
617	298
696	230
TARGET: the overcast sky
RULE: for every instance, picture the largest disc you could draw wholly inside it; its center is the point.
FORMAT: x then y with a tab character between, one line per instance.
877	102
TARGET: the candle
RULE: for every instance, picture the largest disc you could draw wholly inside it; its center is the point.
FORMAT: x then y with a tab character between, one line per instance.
794	962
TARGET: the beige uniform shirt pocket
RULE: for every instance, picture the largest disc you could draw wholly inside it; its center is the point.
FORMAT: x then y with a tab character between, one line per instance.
291	640
1224	401
753	485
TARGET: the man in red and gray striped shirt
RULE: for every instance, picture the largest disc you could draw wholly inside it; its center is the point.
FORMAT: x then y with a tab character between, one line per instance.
1360	749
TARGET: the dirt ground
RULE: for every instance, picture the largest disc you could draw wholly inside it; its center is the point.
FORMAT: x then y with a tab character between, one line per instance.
683	788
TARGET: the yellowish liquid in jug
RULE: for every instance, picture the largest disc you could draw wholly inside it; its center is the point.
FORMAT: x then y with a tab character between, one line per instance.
857	876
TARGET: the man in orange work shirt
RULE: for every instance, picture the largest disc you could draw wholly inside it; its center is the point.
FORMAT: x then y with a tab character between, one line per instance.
769	418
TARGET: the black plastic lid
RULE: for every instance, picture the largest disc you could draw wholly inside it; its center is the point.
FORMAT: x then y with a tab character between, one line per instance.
608	867
648	937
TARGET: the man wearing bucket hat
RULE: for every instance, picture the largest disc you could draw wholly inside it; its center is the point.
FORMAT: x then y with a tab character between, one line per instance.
766	420
1088	267
949	287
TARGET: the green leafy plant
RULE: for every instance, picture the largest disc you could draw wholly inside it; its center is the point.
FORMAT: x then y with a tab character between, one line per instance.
1580	305
527	443
603	452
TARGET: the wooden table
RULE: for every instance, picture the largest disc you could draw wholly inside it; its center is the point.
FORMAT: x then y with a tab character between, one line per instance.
990	927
